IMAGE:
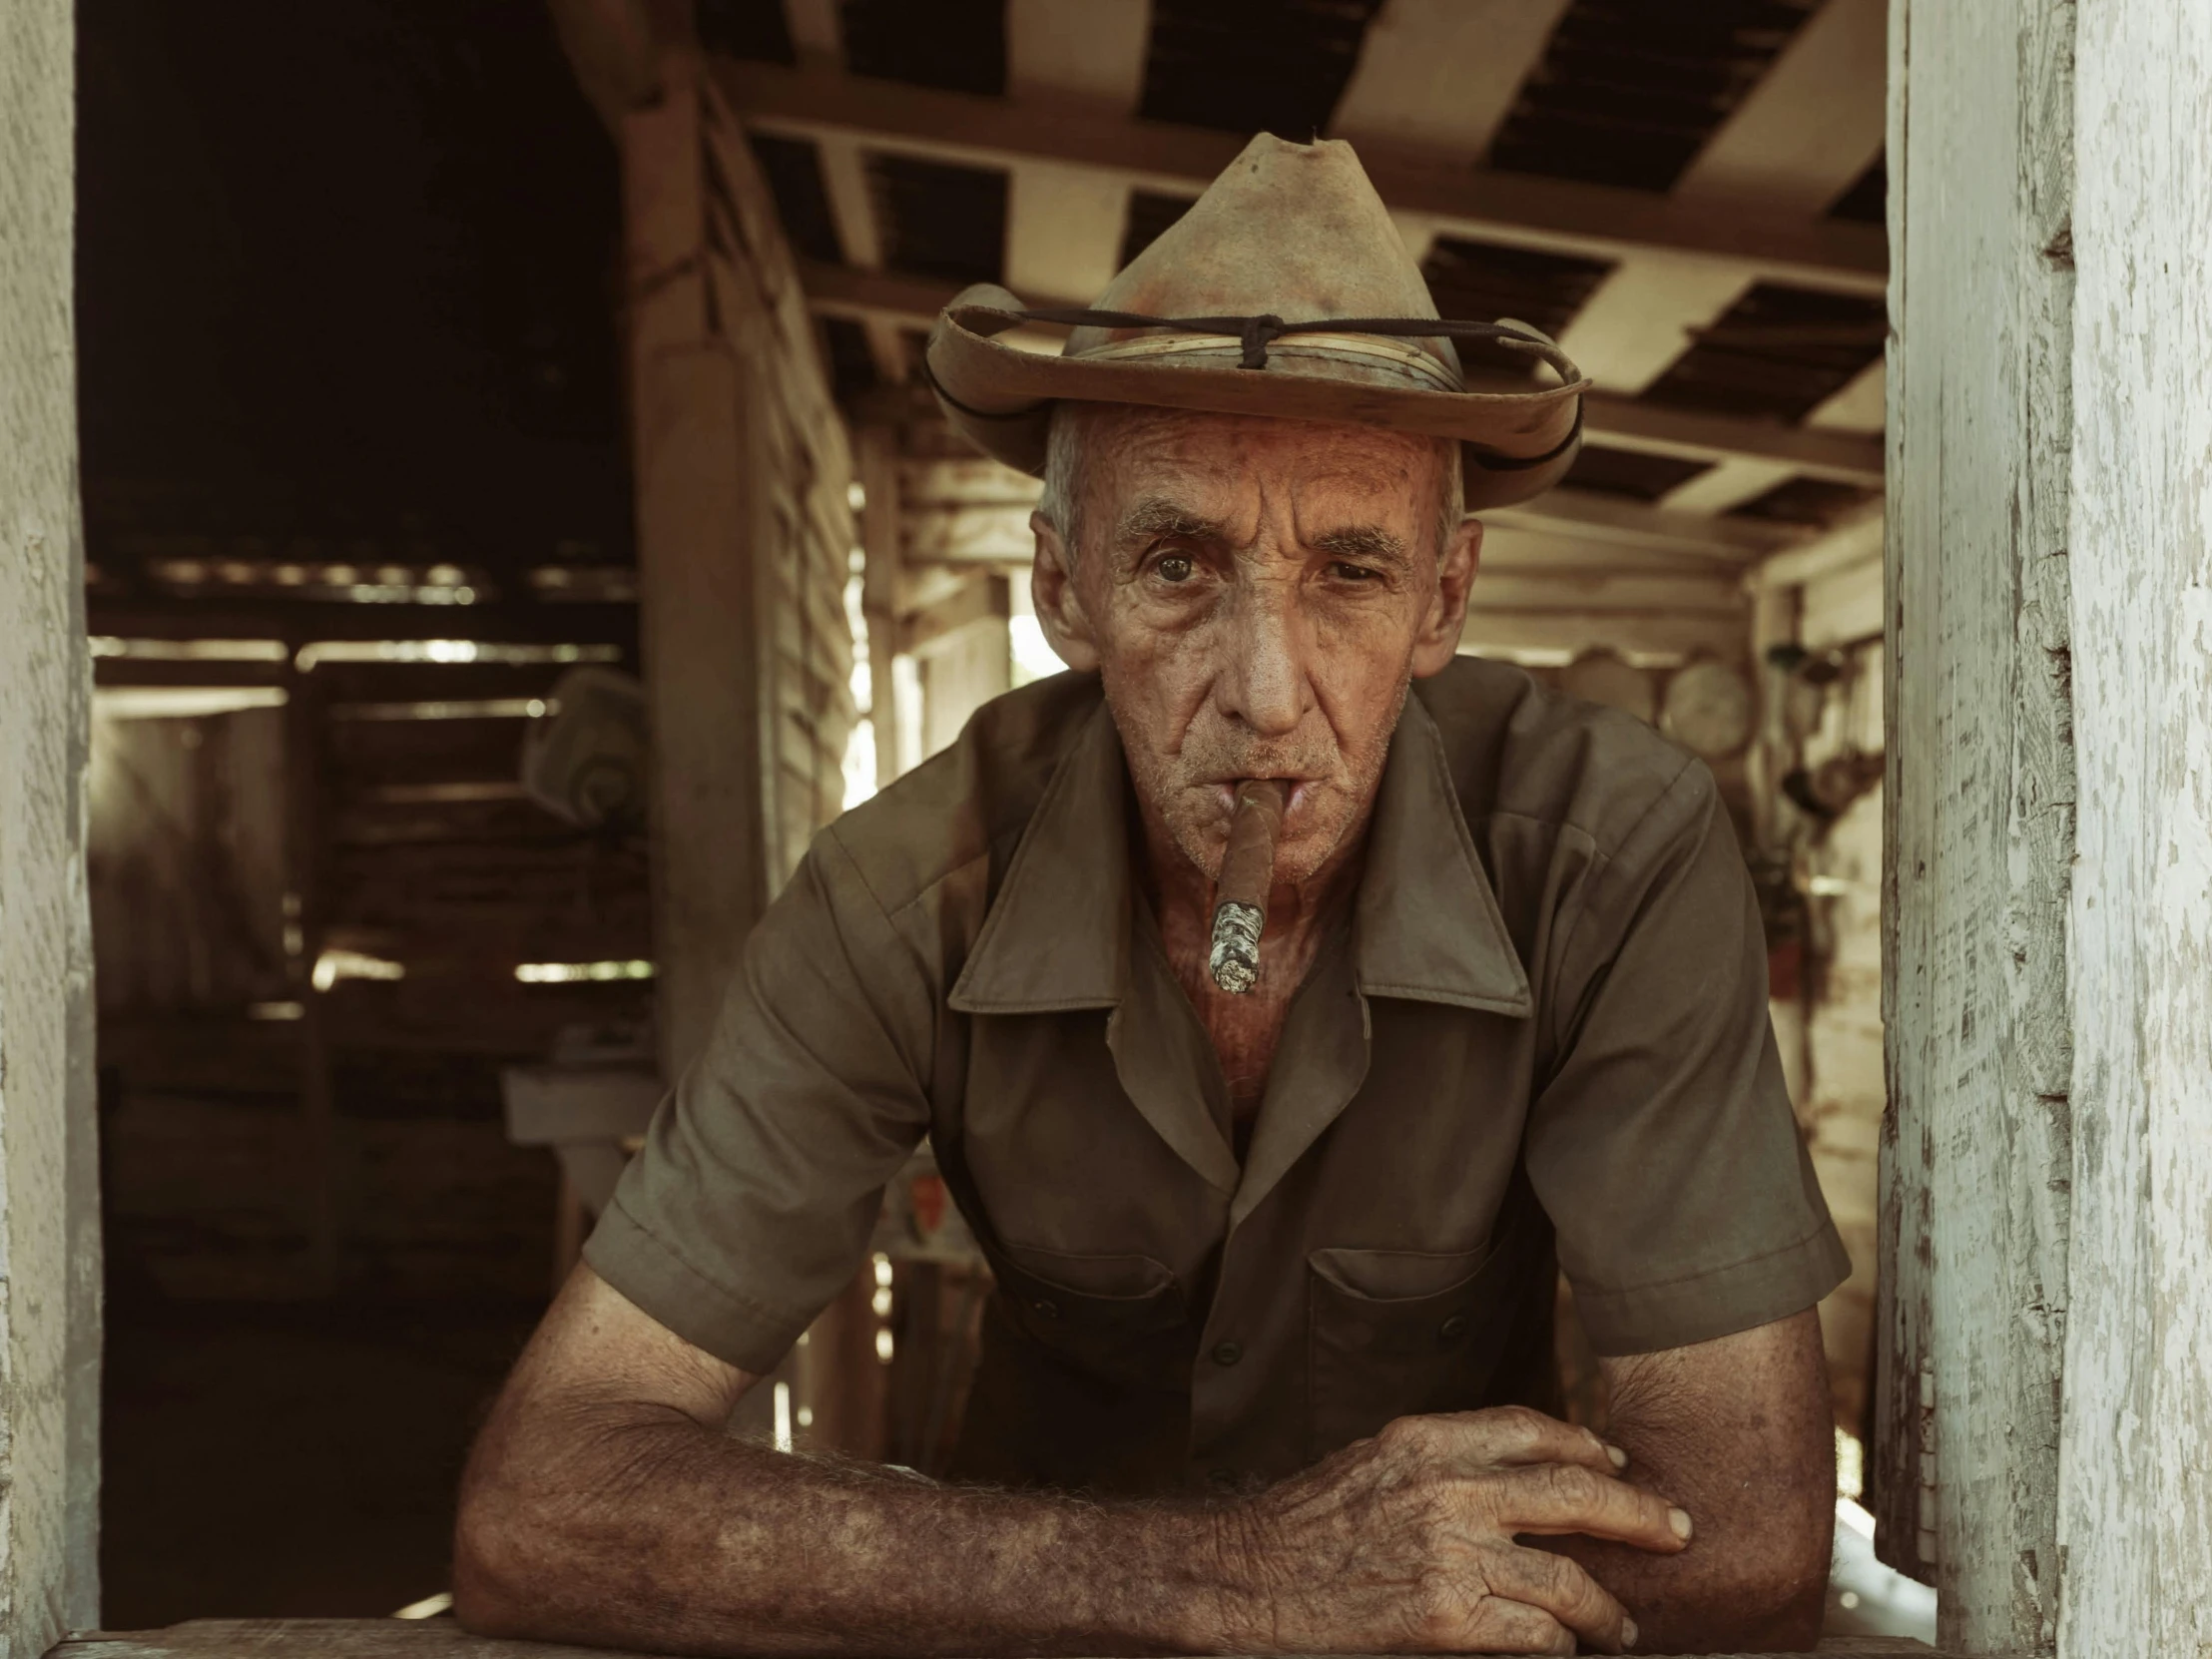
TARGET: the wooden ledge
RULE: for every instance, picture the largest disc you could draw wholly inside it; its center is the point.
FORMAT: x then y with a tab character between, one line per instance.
443	1639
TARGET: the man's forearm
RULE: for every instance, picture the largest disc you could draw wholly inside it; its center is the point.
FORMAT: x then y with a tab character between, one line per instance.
1751	1458
646	1529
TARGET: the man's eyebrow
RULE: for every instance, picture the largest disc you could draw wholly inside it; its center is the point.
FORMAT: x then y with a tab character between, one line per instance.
1361	541
1159	517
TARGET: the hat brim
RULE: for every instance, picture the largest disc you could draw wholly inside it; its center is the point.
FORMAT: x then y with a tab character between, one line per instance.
1516	444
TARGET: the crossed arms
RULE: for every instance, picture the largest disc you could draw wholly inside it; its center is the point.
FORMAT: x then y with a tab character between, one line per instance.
605	1505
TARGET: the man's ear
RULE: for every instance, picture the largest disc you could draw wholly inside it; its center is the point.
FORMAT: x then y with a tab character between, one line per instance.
1446	619
1059	607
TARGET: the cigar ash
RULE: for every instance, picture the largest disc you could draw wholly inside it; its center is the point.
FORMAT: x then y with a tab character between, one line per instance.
1246	873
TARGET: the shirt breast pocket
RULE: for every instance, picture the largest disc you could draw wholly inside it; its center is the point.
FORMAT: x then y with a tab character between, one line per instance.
1396	1333
1122	1320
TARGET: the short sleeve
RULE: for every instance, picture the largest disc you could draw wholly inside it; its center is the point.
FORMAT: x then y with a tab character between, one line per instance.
752	1203
1663	1145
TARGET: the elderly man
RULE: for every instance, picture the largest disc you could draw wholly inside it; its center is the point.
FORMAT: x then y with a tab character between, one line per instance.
1275	1264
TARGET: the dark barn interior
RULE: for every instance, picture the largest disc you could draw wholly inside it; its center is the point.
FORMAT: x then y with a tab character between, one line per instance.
367	395
351	375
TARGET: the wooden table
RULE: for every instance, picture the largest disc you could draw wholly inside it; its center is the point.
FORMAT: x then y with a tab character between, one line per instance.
443	1639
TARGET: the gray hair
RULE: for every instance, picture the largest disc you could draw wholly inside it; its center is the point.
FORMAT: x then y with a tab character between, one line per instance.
1061	504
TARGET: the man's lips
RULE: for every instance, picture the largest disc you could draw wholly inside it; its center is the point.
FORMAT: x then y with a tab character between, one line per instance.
1298	791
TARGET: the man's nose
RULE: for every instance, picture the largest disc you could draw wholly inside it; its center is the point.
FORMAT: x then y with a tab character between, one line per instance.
1262	682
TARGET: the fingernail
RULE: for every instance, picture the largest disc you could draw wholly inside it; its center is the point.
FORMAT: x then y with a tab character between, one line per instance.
1679	1519
1628	1633
1620	1458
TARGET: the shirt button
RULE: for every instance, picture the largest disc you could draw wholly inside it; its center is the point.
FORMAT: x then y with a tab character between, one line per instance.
1228	1354
1045	1307
1453	1329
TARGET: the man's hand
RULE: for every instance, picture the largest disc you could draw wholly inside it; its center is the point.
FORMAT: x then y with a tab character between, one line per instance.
1407	1542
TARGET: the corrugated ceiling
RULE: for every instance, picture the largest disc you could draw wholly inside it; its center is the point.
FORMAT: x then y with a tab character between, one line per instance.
1629	473
1628	91
794	169
851	364
1866	202
938	219
1481	281
1805	501
1778	351
959	44
1150	213
746	29
1253	66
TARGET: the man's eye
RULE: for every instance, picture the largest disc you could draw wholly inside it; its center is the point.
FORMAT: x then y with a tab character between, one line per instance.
1176	567
1351	573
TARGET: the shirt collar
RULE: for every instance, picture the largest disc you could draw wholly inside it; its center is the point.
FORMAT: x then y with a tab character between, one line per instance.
1057	935
1425	925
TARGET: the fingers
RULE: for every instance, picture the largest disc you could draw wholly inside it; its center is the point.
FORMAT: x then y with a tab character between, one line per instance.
1503	1626
1563	1590
1558	1497
1508	1434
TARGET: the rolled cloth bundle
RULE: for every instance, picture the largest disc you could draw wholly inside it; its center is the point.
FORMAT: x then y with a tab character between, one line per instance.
1241	896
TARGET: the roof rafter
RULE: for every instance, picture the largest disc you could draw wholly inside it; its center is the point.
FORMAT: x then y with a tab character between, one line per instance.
1511	209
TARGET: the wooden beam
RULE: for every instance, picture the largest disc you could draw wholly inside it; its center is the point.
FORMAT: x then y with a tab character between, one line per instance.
1644	640
701	443
1978	1147
853	210
1441	74
1853	539
611	49
1619	422
1858	406
1517	210
881	484
302	621
2134	1513
1590	516
1728	482
50	1251
1088	50
1654	429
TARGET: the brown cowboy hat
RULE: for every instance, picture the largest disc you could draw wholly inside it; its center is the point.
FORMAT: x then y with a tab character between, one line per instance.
1285	291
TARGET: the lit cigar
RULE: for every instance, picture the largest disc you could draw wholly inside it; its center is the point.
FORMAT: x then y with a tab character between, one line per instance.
1247	871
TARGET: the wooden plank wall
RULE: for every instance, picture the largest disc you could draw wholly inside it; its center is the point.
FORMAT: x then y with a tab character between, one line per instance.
746	534
49	1195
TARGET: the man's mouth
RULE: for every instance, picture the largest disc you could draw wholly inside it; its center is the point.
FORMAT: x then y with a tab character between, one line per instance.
1296	791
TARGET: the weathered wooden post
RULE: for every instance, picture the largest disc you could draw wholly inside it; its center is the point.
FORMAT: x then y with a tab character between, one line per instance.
2045	1413
49	1181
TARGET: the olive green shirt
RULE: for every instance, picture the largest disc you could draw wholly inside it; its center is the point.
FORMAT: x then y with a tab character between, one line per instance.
1541	1025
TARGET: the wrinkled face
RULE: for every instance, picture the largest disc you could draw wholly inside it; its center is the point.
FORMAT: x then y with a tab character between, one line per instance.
1256	595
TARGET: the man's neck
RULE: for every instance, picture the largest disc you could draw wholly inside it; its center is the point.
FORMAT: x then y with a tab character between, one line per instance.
1244	1028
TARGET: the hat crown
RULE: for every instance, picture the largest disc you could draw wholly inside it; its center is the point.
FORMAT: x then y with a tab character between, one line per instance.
1293	231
